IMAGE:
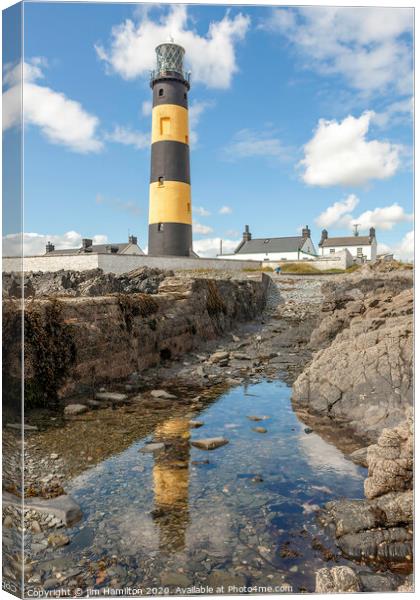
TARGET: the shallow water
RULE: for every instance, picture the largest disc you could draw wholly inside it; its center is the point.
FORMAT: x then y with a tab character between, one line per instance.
251	510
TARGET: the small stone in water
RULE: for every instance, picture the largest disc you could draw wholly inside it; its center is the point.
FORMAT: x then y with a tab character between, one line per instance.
308	430
195	424
259	429
210	443
154	447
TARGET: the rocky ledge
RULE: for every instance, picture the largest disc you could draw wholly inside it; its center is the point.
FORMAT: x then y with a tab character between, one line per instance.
361	374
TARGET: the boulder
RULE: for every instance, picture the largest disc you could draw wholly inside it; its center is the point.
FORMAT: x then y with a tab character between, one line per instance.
336	581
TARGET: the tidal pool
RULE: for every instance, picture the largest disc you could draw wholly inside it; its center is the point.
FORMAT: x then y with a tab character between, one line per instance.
245	512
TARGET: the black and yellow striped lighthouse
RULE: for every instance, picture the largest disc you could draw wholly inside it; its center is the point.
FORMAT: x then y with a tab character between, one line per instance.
170	223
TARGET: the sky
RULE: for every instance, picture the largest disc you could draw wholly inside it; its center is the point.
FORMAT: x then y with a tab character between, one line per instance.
298	116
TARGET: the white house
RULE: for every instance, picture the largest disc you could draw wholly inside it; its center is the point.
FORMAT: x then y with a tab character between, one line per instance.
362	247
274	249
88	247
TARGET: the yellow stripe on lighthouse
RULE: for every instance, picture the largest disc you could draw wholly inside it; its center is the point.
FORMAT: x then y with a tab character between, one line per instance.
170	122
170	202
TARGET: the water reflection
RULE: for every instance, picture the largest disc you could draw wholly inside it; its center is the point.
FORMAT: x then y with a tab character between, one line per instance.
171	482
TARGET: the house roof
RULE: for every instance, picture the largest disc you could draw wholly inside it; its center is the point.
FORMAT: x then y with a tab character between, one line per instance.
351	240
263	245
94	249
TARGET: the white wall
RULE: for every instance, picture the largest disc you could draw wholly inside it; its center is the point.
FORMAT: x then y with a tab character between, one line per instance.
120	263
340	260
368	250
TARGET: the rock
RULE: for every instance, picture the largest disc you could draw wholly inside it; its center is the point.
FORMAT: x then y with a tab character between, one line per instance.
51	583
336	580
8	521
257	479
240	356
58	539
218	356
195	424
63	507
95	404
36	527
364	377
75	409
393	546
18	426
153	447
209	443
162	394
255	418
308	430
228	580
259	429
111	397
359	457
174	580
200	462
54	456
378	582
407	586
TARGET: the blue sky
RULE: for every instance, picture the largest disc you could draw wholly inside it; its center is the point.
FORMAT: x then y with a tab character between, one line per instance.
298	116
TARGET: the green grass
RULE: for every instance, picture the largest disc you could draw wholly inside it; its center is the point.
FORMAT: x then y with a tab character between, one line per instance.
302	268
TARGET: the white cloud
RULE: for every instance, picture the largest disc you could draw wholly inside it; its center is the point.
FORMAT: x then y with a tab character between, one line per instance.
34	243
201	229
211	246
211	57
125	206
338	214
225	210
61	120
383	218
201	211
395	113
247	143
403	250
340	154
146	108
129	137
368	46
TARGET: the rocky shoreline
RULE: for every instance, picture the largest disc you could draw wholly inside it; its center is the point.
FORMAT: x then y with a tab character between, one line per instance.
306	327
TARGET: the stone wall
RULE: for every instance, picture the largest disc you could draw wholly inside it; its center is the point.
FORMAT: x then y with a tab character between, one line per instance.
77	344
120	263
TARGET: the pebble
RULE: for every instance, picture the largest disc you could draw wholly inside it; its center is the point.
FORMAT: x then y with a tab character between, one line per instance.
259	429
209	443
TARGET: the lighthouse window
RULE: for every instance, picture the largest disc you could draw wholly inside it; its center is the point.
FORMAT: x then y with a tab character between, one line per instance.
165	126
161	180
160	226
188	207
161	92
186	139
185	95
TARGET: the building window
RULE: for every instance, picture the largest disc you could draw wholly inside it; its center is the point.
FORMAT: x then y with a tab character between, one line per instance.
332	250
359	251
165	126
161	180
160	226
161	92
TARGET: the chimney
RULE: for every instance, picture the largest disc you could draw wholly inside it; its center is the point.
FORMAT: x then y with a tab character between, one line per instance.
49	247
372	233
246	236
132	239
324	236
86	244
306	232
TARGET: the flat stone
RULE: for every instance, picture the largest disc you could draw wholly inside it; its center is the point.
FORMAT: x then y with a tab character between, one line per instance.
240	356
259	429
256	418
63	507
154	447
18	427
111	396
195	424
218	356
58	539
209	443
75	409
162	394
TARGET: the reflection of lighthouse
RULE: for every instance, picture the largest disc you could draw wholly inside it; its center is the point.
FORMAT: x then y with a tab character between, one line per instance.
170	229
171	480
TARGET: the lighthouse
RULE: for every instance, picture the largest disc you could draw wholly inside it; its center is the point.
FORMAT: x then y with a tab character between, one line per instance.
170	222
